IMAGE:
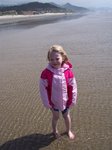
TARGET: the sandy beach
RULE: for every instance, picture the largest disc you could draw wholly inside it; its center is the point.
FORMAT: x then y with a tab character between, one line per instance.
24	122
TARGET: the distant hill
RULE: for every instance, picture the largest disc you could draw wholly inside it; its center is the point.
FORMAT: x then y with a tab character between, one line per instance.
52	3
37	7
33	6
73	8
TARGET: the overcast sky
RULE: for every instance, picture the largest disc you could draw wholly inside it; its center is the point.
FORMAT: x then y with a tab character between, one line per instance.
84	3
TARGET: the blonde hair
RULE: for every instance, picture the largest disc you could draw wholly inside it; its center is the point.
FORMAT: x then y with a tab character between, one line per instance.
59	49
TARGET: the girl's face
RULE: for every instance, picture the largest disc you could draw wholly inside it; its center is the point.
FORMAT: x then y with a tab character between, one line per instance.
56	60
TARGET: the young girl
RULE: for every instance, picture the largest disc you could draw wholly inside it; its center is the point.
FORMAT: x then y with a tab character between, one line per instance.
58	88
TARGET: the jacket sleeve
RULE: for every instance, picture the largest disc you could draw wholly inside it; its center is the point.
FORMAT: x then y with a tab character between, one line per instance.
72	90
43	92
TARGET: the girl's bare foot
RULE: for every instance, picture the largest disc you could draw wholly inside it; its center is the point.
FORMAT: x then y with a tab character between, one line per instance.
71	135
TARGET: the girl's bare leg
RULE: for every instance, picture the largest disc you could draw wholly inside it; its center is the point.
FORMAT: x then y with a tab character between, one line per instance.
67	119
55	117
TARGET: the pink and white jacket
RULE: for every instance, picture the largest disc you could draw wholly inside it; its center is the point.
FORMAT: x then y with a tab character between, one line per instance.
58	88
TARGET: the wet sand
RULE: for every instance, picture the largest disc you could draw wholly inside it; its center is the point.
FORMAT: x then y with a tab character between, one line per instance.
29	21
24	122
8	19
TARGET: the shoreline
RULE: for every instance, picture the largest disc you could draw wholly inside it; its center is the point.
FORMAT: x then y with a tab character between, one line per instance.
18	18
